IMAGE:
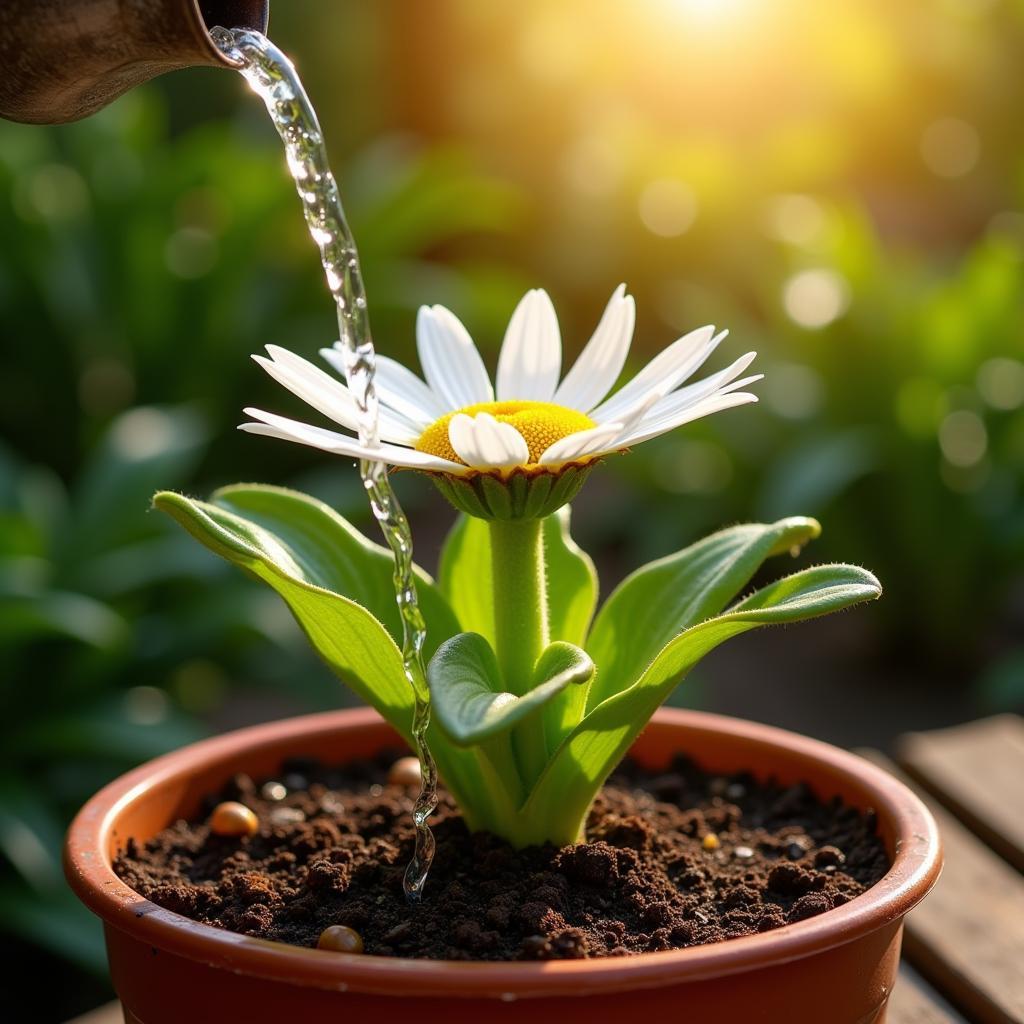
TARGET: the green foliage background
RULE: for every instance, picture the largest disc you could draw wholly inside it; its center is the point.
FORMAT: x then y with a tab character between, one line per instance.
482	150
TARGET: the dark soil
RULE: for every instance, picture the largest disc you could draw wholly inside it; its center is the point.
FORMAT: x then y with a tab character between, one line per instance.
334	849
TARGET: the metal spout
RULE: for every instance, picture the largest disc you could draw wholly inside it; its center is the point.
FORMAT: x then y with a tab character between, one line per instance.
65	59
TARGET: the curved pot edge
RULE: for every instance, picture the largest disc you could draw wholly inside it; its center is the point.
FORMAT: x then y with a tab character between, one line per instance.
915	869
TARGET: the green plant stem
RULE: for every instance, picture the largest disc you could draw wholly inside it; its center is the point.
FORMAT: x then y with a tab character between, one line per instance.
521	625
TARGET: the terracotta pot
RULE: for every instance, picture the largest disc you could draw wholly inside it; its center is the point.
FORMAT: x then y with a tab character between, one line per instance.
839	967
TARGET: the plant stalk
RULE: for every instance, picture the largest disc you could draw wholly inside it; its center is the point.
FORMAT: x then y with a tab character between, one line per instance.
521	626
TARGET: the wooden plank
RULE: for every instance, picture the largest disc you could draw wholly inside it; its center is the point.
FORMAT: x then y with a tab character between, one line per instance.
109	1014
914	1001
967	937
977	771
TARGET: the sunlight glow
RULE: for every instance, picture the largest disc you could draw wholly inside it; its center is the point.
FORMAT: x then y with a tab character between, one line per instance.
706	10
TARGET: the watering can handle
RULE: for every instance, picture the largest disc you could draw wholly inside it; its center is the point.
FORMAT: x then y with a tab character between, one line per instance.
64	59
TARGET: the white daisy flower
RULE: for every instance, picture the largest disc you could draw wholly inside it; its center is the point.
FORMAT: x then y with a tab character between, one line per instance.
530	425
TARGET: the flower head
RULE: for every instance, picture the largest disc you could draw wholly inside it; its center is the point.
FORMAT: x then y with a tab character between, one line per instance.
523	446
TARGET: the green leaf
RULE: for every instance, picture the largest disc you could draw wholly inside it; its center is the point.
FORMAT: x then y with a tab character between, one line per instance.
332	553
572	581
582	763
323	569
467	694
308	575
466	578
663	598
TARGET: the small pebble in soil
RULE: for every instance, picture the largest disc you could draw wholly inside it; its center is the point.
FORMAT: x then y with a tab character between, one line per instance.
274	791
233	819
644	880
330	803
339	938
405	772
829	857
294	781
736	791
286	816
795	850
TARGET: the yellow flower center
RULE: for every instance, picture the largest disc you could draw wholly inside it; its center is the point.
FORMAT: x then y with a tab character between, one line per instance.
540	423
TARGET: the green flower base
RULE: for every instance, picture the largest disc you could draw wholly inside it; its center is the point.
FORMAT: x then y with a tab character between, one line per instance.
518	496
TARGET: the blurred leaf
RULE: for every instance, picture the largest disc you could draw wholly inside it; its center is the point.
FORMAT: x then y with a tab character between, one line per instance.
57	922
815	473
28	616
1001	687
144	449
104	731
30	835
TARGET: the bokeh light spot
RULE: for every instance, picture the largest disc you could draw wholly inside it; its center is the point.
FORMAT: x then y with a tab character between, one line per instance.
796	219
51	193
793	391
593	165
146	705
190	253
814	298
963	438
1001	383
667	207
142	433
950	147
105	385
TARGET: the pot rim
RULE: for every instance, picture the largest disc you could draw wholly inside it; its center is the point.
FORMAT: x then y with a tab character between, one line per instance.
914	870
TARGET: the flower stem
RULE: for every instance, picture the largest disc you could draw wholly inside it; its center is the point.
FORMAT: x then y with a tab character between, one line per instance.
521	625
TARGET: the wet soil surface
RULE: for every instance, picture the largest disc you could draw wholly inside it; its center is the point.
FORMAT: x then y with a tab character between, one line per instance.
671	860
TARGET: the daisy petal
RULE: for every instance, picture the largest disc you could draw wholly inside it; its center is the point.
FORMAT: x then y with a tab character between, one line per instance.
271	425
329	396
585	442
698	391
600	363
665	371
600	439
398	388
716	403
484	443
737	384
531	354
720	383
451	363
313	386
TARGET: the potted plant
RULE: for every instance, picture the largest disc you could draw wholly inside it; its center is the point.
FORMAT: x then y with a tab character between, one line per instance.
534	701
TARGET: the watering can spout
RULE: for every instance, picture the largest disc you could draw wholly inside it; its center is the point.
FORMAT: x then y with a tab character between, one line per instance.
64	59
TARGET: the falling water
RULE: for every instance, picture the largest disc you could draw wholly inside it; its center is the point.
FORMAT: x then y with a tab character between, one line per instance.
274	79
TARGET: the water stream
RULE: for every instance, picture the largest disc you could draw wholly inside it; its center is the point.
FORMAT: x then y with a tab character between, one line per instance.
273	78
